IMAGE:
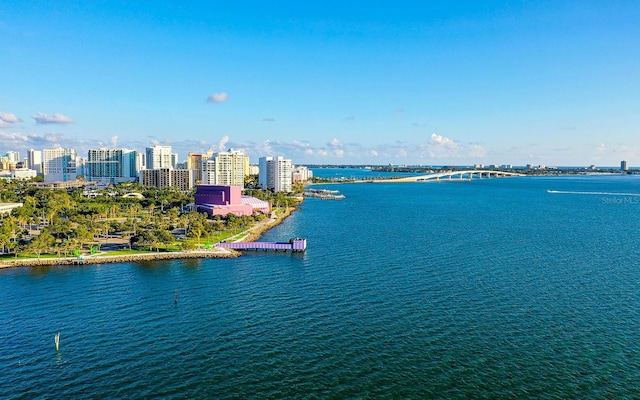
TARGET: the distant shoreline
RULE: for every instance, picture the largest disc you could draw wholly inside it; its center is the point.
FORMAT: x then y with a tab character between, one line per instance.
251	234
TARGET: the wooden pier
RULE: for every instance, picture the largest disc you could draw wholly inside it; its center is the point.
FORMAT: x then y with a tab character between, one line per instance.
293	245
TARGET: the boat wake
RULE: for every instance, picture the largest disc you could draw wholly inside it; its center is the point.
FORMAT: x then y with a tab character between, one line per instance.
593	193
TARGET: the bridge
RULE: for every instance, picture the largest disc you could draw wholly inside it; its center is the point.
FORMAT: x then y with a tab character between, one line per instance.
454	175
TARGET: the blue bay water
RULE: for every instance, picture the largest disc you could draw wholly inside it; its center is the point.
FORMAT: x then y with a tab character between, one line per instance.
489	288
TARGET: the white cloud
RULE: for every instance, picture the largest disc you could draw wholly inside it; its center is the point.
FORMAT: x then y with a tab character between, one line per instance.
442	141
12	137
265	148
304	147
217	97
114	141
18	141
4	125
374	153
336	148
475	150
624	151
9	118
52	119
222	144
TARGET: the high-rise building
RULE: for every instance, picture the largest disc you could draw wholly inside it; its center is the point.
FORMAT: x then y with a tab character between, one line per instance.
166	177
301	174
194	162
275	173
13	156
59	165
111	165
4	163
141	161
159	157
226	169
34	160
624	166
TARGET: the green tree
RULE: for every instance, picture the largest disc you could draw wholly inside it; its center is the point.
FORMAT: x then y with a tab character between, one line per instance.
41	243
83	235
195	230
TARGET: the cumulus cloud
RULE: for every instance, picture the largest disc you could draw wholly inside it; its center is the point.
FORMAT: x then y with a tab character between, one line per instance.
442	141
475	150
217	97
4	125
19	140
373	153
9	118
265	148
302	147
41	118
222	144
13	137
114	141
337	149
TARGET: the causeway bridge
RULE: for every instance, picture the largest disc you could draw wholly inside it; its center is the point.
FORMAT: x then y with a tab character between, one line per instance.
467	174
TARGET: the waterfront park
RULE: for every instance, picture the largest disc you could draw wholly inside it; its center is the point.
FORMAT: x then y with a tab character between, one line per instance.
87	223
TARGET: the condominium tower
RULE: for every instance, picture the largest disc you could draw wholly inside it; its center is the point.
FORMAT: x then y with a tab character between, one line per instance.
275	174
159	157
111	165
59	165
226	169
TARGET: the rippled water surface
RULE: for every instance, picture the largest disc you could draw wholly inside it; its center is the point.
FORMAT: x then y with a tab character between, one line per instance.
490	288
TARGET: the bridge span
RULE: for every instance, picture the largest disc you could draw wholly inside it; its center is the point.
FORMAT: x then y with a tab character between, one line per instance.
454	175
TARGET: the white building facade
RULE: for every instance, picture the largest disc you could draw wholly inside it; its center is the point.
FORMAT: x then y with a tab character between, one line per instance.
275	173
111	165
301	174
159	157
34	160
226	169
59	165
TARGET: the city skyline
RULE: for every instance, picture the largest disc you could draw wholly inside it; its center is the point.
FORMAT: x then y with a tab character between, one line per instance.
498	83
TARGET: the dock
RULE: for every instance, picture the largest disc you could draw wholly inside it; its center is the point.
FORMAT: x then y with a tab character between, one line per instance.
324	194
293	245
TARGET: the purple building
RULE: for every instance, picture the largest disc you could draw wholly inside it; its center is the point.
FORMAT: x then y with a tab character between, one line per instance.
222	200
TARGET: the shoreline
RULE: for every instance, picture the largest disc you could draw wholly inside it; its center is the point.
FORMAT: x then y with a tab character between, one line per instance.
251	234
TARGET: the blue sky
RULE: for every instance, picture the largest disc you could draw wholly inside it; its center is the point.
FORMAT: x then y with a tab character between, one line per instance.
424	82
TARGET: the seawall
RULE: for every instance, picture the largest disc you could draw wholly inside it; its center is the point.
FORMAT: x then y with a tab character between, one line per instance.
122	258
